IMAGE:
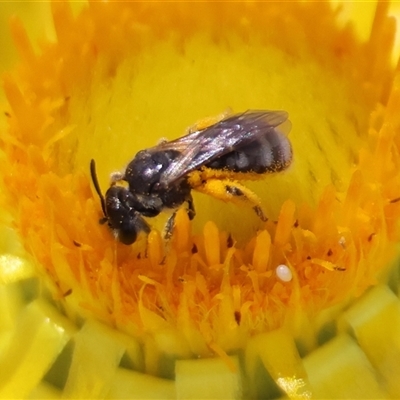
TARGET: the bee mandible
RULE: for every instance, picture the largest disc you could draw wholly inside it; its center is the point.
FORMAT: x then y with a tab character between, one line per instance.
210	160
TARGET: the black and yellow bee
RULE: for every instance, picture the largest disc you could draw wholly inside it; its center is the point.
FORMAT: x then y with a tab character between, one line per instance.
211	160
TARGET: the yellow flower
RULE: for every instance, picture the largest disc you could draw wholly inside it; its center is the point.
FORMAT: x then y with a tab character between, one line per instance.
120	76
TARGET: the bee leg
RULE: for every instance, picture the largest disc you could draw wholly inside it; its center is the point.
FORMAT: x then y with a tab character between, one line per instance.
169	226
259	211
168	230
191	211
234	192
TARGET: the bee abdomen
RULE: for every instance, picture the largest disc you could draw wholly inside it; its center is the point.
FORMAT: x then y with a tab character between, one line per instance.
272	154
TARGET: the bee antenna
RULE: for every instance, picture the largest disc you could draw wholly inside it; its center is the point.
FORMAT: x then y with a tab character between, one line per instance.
97	186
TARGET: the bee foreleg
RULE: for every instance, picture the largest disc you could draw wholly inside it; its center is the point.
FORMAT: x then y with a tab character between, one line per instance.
234	192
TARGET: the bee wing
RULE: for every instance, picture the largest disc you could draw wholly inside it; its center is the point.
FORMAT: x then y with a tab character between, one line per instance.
201	147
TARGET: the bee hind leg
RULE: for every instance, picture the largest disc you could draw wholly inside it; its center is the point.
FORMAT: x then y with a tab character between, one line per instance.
233	192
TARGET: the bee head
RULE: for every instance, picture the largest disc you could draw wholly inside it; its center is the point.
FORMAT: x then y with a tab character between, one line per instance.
122	217
119	211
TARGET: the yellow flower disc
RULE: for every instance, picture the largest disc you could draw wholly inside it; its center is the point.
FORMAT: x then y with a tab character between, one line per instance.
121	76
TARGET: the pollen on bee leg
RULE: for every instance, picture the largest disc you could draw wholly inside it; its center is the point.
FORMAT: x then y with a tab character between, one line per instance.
284	273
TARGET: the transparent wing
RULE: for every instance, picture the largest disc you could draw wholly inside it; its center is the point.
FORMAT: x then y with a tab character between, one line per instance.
201	147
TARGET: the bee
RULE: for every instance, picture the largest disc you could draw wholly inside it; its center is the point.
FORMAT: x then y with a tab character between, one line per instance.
210	160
